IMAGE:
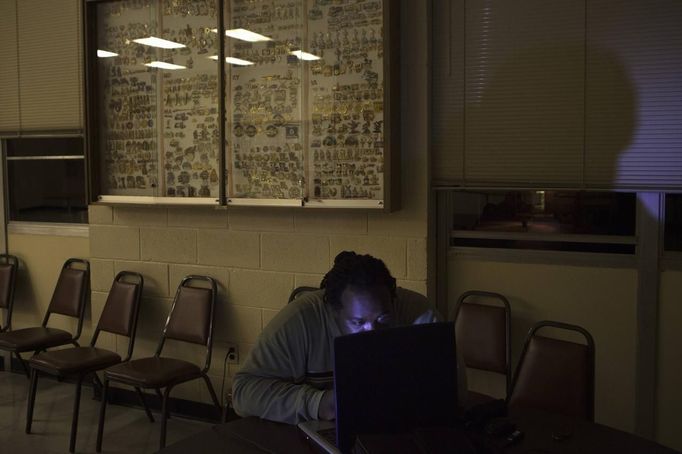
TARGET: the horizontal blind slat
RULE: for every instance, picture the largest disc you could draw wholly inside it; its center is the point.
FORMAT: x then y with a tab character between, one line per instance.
9	75
642	139
50	64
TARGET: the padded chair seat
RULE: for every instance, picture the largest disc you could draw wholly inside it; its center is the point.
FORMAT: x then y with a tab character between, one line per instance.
74	360
153	372
38	338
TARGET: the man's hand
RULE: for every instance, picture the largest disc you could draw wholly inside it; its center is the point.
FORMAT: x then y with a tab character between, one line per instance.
327	409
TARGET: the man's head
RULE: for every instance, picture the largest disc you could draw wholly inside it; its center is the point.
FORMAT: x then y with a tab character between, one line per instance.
360	288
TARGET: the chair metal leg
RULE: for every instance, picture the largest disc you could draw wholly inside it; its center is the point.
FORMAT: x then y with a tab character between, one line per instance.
33	386
102	410
211	391
140	394
23	364
164	417
74	421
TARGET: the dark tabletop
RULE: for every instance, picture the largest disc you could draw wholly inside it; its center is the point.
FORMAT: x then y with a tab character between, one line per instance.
543	433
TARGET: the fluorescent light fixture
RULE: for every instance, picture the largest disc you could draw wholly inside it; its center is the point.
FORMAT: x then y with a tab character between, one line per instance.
233	60
164	65
158	42
304	55
105	53
244	35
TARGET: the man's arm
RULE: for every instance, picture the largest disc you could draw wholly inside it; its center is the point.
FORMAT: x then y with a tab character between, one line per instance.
270	383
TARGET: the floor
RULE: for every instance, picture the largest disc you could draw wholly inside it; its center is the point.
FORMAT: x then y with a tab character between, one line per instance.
127	430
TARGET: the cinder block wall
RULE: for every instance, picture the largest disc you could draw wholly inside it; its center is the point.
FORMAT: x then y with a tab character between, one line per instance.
258	255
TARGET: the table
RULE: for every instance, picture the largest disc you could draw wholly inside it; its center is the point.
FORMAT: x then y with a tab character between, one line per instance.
557	434
544	433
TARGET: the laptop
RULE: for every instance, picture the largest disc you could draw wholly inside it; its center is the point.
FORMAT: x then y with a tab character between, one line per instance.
389	381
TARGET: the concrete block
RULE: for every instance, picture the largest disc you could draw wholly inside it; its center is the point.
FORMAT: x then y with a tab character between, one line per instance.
114	242
299	253
168	245
260	288
101	274
393	251
326	221
416	259
197	217
147	215
227	248
308	280
238	324
100	214
155	277
261	219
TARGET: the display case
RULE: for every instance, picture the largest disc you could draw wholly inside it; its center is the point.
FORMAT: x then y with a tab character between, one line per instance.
302	112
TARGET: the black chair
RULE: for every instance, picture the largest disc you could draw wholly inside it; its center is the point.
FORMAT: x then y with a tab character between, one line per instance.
69	298
556	375
300	290
118	317
9	265
190	320
483	334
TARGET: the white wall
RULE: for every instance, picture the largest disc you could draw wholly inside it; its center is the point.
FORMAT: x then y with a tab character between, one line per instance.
602	300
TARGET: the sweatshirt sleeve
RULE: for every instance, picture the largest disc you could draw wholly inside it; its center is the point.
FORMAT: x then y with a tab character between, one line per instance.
270	383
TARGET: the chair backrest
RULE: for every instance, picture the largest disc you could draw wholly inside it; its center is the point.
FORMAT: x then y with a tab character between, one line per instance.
71	292
122	307
483	333
192	315
556	375
8	274
300	290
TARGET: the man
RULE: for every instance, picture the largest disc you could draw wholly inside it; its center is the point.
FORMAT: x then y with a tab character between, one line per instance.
288	376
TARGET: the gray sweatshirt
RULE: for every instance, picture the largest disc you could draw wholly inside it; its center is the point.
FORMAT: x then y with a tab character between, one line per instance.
290	367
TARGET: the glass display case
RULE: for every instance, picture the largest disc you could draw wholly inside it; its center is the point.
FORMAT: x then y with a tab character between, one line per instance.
300	104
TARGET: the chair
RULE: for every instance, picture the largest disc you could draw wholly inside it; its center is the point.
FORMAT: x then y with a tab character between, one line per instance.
8	274
190	320
69	298
300	290
483	333
556	375
118	317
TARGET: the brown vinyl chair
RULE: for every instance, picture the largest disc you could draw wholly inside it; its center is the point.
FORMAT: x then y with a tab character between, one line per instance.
483	336
300	290
8	274
190	320
555	375
119	316
69	299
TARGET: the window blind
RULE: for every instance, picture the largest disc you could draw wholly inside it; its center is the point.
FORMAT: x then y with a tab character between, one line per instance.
50	68
9	74
524	87
634	94
447	100
582	95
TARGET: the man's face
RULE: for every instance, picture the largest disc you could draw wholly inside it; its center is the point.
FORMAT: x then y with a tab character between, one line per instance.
365	309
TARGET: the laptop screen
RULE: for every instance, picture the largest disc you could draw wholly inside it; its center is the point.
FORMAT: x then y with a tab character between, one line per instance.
394	380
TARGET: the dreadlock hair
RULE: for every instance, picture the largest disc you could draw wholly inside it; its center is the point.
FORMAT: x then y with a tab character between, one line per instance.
357	270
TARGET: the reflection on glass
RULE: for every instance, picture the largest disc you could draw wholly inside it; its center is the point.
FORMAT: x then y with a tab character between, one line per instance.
158	103
246	35
304	55
105	54
597	213
158	42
